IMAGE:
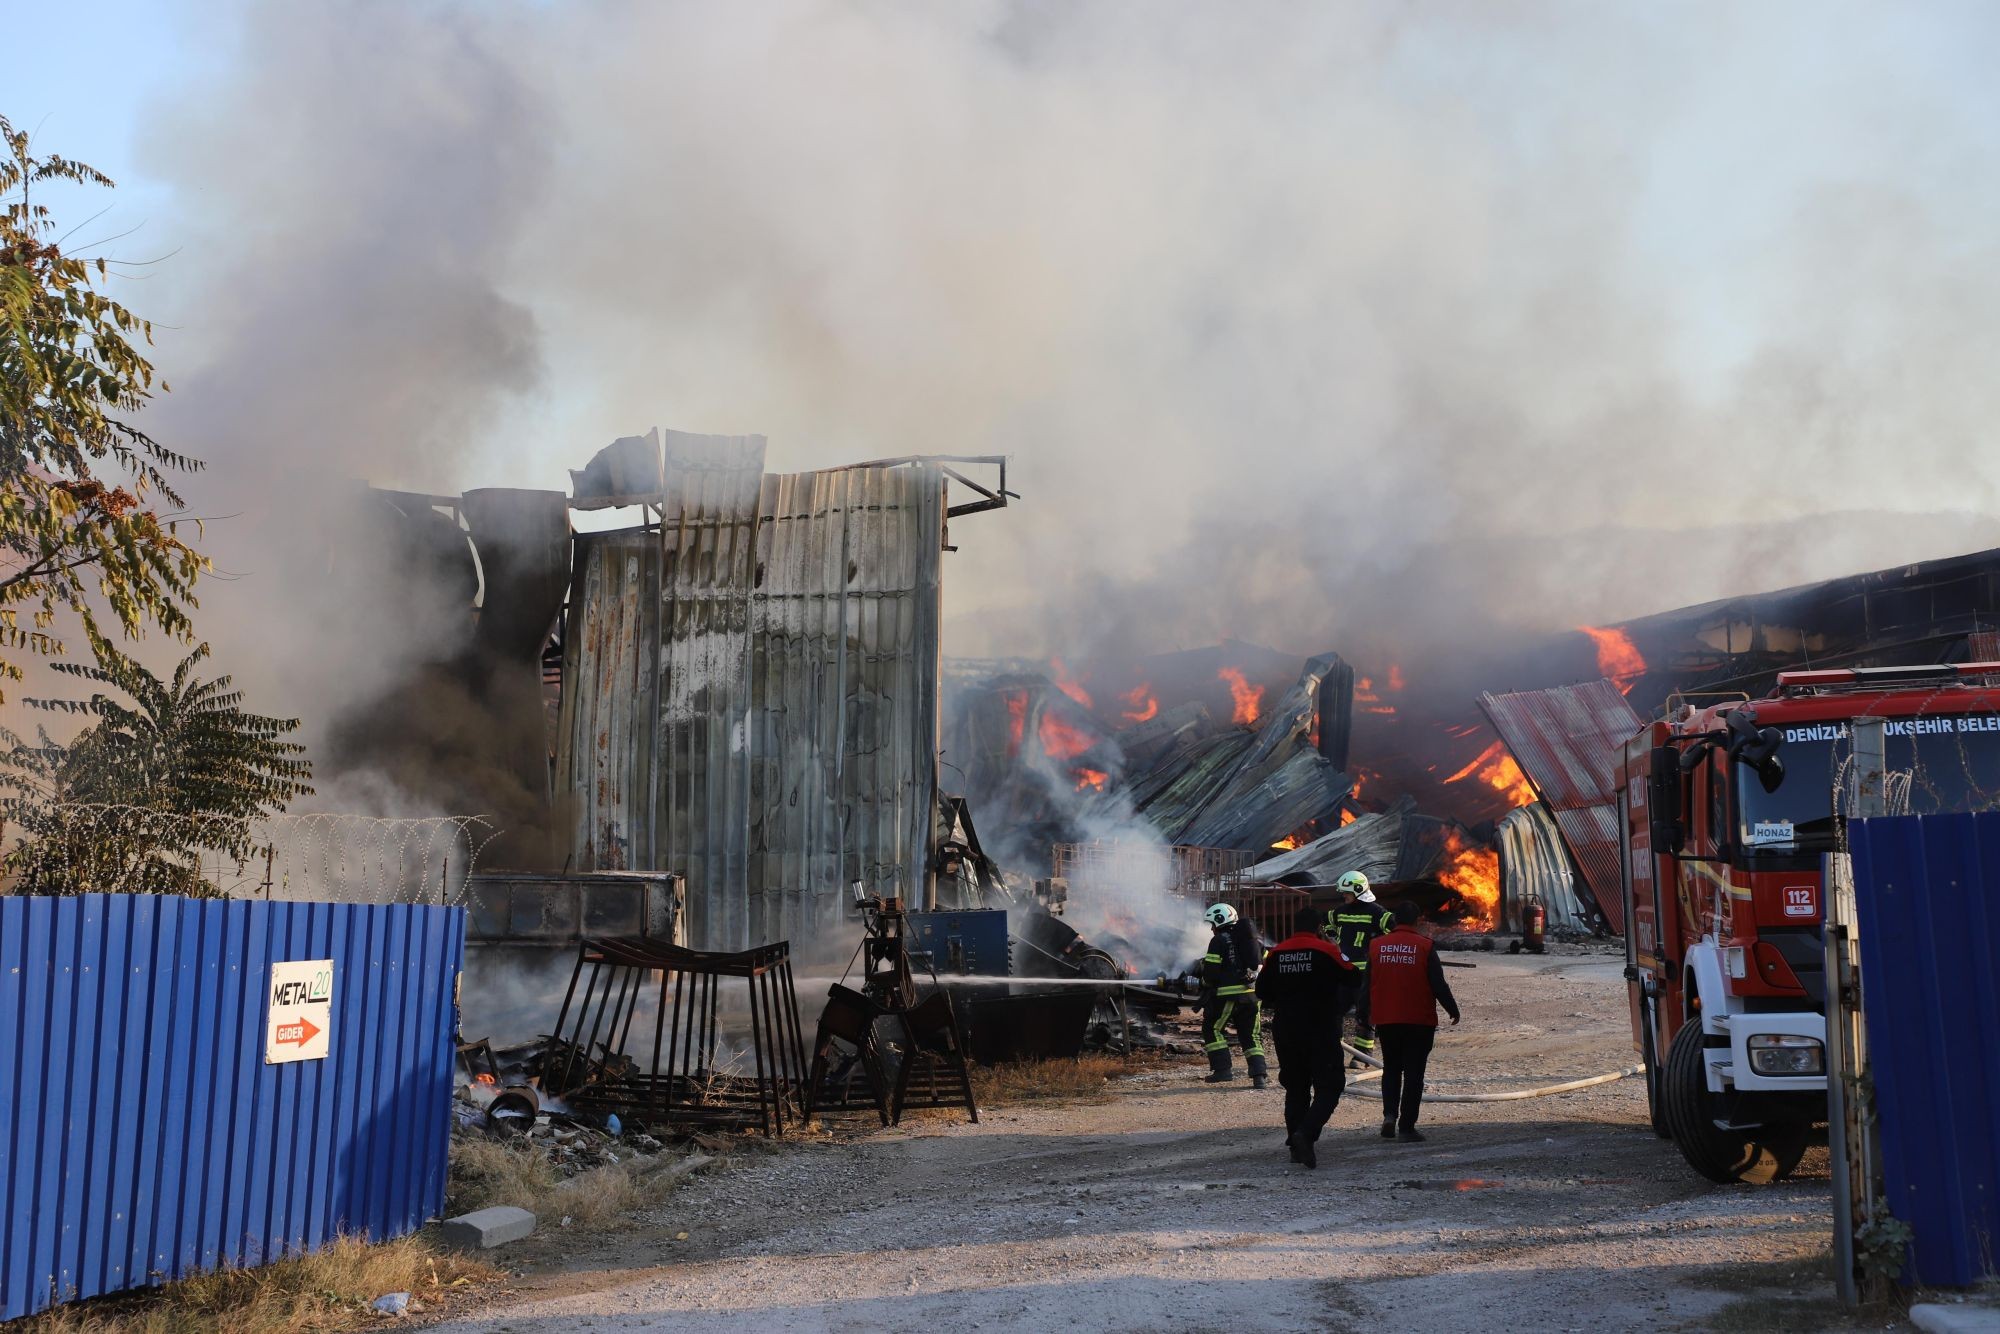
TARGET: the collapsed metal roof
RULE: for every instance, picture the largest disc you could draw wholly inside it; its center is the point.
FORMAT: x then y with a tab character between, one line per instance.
750	682
1247	789
1567	741
1920	612
1385	846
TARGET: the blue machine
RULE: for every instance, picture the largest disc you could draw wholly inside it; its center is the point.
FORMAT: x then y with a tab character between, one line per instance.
972	943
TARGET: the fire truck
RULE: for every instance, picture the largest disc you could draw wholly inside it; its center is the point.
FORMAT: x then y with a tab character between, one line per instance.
1727	810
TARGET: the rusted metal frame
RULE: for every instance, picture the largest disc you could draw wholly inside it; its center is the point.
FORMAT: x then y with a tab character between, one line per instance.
603	1003
764	1111
683	1074
797	1035
709	1024
579	1048
798	1023
630	1000
568	996
776	990
659	1035
766	985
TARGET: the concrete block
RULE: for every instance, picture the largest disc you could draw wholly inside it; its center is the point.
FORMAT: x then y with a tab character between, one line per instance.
483	1229
1956	1318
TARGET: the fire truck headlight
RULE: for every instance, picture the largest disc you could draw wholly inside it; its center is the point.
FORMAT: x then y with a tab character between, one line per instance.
1786	1054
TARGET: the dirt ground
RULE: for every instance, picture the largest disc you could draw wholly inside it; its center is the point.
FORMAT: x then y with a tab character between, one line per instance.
1173	1206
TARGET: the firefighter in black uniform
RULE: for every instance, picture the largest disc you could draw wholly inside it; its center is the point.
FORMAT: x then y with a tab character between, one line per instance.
1226	996
1308	984
1354	924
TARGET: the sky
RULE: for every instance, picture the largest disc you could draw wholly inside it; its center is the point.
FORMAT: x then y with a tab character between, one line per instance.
1301	324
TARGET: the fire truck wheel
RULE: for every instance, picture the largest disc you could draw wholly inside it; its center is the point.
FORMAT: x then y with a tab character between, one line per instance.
1759	1157
1656	1101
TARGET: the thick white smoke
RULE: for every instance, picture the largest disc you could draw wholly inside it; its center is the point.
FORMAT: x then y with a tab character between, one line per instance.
1306	324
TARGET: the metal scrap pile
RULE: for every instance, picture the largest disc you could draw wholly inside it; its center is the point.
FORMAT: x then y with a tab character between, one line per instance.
524	1090
1245	780
1038	753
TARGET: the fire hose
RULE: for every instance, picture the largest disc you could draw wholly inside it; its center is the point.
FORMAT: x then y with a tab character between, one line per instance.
1186	983
1515	1095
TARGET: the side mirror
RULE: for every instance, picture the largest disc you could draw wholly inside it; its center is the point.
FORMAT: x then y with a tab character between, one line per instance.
1770	773
1663	799
1757	747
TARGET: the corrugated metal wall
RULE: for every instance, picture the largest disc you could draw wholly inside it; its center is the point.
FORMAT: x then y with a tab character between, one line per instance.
750	693
142	1137
1568	742
1927	888
1535	866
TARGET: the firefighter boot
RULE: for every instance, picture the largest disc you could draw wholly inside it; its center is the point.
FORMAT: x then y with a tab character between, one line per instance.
1258	1070
1218	1068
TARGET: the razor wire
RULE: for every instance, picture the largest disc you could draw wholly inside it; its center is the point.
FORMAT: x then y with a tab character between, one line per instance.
320	856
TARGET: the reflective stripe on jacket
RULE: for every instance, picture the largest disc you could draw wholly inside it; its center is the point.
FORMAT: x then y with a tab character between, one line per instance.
1232	954
1356	926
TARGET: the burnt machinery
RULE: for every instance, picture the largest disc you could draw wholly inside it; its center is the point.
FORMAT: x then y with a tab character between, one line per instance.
693	1078
881	1046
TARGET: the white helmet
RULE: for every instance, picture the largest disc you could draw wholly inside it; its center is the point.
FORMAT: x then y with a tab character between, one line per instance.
1220	914
1356	884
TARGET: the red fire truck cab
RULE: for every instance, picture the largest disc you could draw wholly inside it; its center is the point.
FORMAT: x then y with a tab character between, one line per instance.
1727	811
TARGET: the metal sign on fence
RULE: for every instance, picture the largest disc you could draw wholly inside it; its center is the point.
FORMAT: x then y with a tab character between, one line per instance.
298	1025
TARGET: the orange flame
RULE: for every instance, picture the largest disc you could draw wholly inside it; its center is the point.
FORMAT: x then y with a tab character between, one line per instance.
1299	837
1395	677
1141	704
1060	741
1068	684
1247	699
1370	702
1347	817
1017	720
1617	656
1496	768
1473	873
1090	778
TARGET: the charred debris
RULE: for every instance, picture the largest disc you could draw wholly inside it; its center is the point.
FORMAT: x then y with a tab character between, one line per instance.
716	733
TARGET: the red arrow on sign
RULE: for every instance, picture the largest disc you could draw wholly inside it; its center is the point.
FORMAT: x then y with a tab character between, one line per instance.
304	1031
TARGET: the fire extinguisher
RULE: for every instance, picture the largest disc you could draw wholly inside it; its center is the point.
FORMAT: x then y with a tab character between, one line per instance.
1534	923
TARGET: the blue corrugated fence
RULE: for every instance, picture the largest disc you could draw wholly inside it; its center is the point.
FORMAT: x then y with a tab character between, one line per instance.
142	1135
1927	888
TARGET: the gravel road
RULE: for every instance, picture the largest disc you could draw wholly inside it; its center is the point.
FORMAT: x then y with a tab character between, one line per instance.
1173	1207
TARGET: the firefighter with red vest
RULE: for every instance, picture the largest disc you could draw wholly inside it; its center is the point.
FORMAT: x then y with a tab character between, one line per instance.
1308	984
1406	985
